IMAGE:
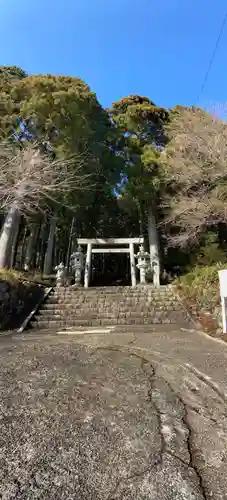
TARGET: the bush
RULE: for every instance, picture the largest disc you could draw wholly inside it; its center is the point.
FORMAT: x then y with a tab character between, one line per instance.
202	285
200	289
210	251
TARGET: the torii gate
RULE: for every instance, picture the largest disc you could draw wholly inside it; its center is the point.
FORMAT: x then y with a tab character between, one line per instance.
103	242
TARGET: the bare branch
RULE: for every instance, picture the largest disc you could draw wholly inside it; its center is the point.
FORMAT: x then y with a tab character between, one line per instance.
32	178
195	162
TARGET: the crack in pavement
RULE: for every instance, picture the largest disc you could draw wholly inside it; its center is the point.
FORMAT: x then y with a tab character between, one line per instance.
166	427
185	420
158	459
156	462
127	349
206	380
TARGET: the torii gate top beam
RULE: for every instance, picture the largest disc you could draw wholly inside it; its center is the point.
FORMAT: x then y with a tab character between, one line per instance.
110	241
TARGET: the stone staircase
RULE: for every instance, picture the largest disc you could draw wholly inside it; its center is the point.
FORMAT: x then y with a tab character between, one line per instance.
108	306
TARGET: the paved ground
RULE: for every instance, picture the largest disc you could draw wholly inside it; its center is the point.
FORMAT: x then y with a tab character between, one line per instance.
114	415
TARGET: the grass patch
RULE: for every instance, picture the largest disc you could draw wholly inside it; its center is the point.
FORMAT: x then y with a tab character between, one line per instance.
11	276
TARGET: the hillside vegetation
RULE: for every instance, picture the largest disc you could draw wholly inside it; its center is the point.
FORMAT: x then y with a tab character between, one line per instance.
70	168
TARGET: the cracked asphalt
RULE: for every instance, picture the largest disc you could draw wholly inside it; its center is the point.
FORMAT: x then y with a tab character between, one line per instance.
115	415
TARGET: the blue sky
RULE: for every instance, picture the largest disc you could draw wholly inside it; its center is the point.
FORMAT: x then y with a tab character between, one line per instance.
160	49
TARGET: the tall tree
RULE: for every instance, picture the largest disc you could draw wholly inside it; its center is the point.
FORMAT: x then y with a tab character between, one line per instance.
64	117
12	72
140	124
195	169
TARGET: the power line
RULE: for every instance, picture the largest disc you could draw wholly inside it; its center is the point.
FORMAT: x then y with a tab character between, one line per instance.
212	57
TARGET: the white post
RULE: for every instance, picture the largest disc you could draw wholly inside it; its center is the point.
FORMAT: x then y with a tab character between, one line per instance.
223	309
132	264
223	292
87	271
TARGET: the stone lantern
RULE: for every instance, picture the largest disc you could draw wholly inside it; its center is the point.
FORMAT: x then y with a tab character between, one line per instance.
77	264
61	274
143	263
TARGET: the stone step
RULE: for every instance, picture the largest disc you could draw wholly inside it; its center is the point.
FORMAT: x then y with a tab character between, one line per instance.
131	293
115	313
46	325
111	313
76	302
103	300
85	293
95	307
115	291
69	310
114	305
106	314
109	289
101	296
152	319
109	293
91	289
53	324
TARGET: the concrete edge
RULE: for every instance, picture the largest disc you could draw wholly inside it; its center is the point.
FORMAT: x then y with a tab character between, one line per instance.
34	311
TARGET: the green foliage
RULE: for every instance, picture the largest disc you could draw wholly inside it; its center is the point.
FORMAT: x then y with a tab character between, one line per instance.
11	276
12	72
200	286
62	114
131	139
62	110
140	127
137	114
210	251
202	276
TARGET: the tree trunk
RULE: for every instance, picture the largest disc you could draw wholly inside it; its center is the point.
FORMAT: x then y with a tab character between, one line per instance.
21	250
141	216
15	239
36	246
154	247
50	246
9	228
55	255
31	247
41	247
70	244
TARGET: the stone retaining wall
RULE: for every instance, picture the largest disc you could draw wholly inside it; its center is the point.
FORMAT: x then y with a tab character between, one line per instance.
17	299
